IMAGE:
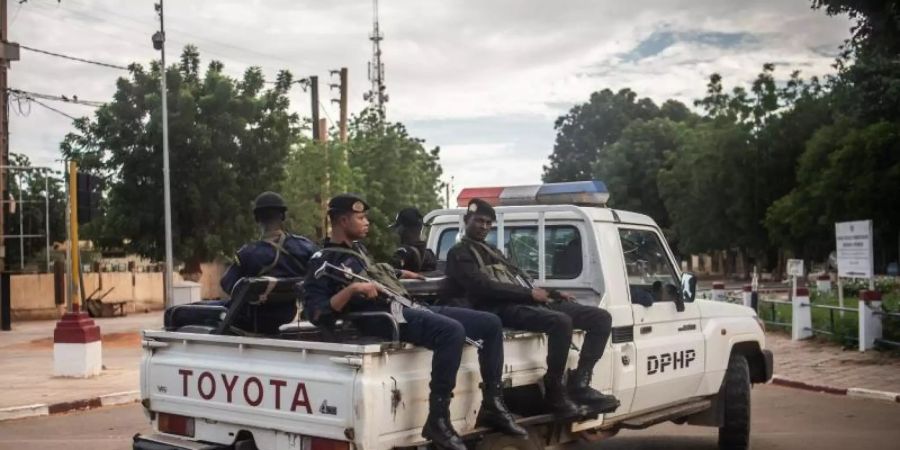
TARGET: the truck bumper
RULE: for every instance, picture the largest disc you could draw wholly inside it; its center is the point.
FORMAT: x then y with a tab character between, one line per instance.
166	442
769	364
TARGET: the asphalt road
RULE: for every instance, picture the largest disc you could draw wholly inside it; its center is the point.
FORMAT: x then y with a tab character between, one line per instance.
782	419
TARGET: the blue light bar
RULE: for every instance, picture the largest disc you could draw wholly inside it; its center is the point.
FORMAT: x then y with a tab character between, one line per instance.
585	193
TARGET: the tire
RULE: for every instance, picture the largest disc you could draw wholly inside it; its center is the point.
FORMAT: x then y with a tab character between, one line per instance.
734	434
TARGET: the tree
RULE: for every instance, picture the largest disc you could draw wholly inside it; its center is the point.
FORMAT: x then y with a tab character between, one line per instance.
631	165
228	141
381	161
33	213
587	129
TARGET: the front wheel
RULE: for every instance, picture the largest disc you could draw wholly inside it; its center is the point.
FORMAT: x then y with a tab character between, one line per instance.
734	434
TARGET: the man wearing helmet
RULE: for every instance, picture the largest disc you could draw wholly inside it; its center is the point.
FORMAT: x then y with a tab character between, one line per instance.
277	254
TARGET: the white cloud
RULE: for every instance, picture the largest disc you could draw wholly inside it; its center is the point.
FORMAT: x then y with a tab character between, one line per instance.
463	64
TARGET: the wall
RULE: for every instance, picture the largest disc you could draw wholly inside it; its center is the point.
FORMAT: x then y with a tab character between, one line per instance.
32	294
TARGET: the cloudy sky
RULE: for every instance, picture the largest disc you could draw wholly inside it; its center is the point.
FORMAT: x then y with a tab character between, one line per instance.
484	80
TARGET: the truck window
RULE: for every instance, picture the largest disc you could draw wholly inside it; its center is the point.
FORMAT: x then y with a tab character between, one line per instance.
650	273
562	249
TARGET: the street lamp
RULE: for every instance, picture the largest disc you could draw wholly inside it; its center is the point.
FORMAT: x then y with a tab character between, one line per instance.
159	43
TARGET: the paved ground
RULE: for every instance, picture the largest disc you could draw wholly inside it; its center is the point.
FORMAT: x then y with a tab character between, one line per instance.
782	419
824	363
26	356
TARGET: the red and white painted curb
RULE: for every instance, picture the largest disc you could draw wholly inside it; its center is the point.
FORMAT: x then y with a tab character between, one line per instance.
872	394
43	409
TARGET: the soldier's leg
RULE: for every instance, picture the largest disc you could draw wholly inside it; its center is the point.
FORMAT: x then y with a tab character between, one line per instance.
558	327
486	327
445	337
597	323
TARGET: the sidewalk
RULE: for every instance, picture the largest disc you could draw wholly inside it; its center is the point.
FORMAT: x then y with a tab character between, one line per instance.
824	366
26	356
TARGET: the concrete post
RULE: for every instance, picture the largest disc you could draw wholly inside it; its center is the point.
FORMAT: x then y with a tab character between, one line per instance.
801	315
747	295
823	283
869	322
718	291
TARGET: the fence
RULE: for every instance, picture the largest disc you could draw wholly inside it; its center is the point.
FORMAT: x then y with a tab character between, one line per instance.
805	318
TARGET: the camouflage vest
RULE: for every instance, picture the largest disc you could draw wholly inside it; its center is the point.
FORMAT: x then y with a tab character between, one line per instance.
502	271
383	273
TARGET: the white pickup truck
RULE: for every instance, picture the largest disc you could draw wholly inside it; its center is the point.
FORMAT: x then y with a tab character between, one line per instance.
670	357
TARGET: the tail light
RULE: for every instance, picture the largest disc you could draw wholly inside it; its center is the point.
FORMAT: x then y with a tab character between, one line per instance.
175	424
317	443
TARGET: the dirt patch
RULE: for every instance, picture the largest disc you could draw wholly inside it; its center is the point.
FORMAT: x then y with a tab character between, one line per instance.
112	340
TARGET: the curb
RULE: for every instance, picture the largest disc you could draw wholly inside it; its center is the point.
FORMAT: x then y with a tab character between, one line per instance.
871	394
43	409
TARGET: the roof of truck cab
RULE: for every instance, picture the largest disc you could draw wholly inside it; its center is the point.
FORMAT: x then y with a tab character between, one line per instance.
526	213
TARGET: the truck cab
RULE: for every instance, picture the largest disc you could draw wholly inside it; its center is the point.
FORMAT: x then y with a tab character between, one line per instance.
671	356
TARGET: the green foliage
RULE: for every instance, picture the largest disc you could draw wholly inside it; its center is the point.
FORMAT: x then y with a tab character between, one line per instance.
228	141
381	161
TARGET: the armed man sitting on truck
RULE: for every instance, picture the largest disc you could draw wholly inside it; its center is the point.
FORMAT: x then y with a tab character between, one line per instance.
412	254
277	254
480	274
440	329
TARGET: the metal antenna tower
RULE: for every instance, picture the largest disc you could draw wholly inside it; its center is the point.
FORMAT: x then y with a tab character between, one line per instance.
377	95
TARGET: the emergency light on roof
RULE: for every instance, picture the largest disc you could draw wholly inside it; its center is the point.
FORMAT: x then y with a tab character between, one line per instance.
582	193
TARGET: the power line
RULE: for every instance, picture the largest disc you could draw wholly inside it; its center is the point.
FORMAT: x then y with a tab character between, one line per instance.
17	96
74	58
57	98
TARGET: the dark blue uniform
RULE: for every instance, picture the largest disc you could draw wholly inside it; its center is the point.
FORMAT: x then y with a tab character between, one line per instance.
279	255
444	333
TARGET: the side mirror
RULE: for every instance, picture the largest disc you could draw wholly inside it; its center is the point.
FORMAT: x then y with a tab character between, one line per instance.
688	287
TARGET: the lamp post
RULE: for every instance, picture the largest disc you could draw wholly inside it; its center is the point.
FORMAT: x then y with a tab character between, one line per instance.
159	43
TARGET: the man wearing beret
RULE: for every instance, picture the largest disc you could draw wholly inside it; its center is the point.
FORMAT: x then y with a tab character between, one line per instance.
412	254
440	329
278	254
480	274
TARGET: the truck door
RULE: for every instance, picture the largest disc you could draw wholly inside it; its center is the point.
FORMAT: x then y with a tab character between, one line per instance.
669	343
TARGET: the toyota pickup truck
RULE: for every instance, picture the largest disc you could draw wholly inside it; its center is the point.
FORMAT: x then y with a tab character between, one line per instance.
671	356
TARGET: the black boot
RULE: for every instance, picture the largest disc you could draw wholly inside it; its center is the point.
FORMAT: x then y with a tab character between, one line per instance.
580	390
558	400
438	428
493	413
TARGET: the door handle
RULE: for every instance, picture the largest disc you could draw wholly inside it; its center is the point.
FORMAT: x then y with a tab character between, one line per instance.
688	327
646	330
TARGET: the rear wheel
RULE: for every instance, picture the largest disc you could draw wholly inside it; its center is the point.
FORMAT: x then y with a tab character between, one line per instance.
734	434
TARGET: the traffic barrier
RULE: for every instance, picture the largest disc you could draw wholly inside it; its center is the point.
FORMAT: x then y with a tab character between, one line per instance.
718	292
747	296
823	283
870	327
801	315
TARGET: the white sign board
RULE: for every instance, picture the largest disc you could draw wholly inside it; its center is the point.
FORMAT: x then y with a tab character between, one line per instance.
795	267
854	249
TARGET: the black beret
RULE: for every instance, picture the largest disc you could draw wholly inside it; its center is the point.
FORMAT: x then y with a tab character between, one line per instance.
408	218
479	206
344	203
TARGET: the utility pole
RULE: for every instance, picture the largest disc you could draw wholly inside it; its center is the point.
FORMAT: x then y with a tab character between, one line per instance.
8	52
341	100
159	43
314	95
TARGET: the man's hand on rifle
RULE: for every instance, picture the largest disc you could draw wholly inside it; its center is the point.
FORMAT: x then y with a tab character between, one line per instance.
408	275
540	295
367	290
